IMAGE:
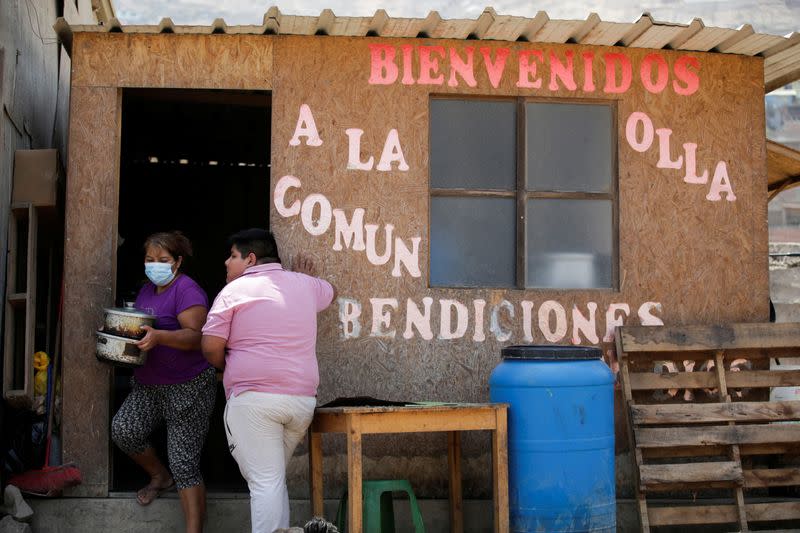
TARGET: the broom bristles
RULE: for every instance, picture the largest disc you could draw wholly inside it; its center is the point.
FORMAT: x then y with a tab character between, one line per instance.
49	481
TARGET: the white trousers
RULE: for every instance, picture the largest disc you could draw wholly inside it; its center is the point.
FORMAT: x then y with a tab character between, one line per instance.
263	430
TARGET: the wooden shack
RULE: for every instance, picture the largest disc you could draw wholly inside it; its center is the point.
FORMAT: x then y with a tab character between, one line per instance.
466	184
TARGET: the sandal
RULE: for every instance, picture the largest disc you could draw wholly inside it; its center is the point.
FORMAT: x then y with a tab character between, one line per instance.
146	495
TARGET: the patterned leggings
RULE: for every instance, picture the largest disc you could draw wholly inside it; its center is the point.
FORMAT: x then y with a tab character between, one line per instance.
186	410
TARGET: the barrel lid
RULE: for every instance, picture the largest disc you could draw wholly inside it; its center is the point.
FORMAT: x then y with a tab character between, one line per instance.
551	352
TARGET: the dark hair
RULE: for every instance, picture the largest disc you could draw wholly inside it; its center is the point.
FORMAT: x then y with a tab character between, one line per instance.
319	525
257	241
174	242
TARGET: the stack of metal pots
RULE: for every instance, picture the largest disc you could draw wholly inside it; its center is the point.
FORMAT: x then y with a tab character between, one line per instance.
116	341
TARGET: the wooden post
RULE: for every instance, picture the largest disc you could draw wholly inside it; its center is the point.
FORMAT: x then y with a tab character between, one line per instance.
454	463
354	504
500	470
315	471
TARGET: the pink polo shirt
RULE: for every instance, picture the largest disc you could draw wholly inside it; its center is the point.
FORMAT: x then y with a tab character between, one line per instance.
269	318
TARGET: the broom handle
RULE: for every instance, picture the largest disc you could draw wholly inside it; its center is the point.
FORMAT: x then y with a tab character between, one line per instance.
54	371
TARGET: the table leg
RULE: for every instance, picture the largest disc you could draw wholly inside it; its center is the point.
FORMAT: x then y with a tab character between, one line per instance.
500	471
315	472
454	462
354	504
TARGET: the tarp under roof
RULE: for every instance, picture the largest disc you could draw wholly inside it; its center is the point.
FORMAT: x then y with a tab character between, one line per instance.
781	53
783	168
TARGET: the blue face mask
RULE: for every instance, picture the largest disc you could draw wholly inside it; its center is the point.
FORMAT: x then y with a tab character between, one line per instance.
160	274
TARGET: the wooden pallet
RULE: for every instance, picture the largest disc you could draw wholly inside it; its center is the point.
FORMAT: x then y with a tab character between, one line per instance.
700	422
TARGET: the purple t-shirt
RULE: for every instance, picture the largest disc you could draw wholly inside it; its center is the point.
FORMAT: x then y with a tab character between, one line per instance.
165	365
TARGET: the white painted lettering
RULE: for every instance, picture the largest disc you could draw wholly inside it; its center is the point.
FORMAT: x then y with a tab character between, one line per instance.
283	185
306	127
419	320
321	224
586	326
552	307
372	255
406	257
392	152
494	325
347	233
349	311
354	151
446	332
381	320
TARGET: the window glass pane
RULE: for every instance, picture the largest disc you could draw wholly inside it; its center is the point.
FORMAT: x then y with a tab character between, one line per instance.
569	243
472	242
569	147
473	144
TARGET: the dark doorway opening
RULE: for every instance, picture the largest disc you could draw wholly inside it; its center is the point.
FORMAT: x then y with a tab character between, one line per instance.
196	161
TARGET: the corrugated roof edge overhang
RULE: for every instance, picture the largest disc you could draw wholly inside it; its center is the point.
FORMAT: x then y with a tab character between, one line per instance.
783	168
781	53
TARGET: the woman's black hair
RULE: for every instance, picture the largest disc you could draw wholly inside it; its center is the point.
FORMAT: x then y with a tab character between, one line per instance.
174	242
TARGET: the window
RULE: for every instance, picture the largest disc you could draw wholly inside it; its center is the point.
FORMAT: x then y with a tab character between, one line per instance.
554	164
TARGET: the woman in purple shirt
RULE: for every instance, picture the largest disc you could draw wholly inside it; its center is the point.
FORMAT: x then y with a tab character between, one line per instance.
176	387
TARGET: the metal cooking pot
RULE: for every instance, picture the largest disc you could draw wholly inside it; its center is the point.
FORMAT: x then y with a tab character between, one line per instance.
119	350
127	321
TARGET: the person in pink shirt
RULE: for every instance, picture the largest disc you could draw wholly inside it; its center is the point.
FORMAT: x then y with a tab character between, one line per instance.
262	332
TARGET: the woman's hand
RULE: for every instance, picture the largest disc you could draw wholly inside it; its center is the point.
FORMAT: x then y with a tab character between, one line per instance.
151	339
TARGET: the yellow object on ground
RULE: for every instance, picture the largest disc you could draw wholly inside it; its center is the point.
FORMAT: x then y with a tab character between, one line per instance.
40	362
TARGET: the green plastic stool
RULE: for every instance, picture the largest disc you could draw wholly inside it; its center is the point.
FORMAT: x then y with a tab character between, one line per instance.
378	508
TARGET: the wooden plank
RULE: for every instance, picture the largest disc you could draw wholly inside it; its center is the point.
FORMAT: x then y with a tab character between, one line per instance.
708	354
704	380
718	451
773	511
672	380
423	421
692	515
329	422
354	474
721	514
500	471
699	338
693	413
771	477
454	465
722	473
717	435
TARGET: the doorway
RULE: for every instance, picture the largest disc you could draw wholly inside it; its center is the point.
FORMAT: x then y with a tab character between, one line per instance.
196	161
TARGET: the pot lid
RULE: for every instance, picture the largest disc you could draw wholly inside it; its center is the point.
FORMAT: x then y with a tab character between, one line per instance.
128	310
101	333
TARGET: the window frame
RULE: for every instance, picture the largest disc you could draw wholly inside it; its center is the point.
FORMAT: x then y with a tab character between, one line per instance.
521	194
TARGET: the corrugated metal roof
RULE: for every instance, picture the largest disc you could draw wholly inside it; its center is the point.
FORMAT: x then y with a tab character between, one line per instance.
782	54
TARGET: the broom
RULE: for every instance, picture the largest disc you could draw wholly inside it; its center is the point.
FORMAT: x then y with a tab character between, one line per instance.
50	480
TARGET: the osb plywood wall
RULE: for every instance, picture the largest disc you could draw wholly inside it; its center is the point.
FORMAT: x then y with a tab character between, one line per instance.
688	252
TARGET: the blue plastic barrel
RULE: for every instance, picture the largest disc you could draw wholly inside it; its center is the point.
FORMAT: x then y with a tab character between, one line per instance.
560	438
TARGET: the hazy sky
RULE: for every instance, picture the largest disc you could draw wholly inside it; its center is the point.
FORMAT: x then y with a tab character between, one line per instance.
770	16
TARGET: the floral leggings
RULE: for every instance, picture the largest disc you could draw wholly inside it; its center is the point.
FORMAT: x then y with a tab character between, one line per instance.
185	409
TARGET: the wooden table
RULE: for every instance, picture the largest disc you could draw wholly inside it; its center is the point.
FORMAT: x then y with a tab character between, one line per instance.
423	418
